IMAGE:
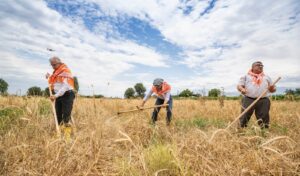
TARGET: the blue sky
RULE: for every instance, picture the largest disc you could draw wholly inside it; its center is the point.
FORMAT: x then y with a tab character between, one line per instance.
193	44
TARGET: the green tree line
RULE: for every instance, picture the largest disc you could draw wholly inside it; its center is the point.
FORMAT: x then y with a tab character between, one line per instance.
138	91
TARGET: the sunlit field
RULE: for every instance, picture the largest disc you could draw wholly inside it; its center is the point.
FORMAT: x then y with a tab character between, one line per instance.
104	143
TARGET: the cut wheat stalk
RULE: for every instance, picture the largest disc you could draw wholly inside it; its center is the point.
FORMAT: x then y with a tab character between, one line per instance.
276	139
161	170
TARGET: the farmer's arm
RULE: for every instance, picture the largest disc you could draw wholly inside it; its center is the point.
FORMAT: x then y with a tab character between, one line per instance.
63	89
167	97
271	87
241	85
147	97
47	75
242	89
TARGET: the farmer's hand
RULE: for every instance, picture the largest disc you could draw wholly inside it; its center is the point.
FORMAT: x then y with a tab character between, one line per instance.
47	75
52	97
272	89
141	106
243	91
164	105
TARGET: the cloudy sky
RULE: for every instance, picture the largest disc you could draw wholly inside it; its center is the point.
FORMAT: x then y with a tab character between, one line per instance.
111	45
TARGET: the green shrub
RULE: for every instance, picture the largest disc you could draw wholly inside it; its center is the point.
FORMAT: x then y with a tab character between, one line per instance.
159	157
9	116
201	123
278	128
218	123
126	168
44	107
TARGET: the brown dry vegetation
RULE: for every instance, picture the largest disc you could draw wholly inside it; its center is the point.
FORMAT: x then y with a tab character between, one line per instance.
105	144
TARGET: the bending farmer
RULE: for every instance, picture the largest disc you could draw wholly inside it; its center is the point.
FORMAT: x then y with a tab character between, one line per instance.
162	90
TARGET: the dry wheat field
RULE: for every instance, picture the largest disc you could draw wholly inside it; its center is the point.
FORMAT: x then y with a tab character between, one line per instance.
103	143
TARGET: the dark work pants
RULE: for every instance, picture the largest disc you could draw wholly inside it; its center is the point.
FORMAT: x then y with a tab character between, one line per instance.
169	110
63	106
261	109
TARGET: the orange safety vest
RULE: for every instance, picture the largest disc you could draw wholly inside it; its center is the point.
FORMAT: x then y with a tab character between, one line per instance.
165	88
61	73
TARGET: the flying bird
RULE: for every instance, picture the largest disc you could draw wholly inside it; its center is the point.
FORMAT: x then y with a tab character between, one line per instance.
49	49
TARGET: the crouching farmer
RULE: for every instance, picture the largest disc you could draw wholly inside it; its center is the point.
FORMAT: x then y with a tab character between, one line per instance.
163	92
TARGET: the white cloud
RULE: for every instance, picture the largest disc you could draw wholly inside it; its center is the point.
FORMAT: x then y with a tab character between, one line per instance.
27	29
218	46
221	45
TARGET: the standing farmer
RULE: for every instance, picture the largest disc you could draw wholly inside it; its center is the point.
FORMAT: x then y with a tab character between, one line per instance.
62	84
163	92
252	85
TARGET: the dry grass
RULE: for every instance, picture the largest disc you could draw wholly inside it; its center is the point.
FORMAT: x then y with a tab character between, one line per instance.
106	144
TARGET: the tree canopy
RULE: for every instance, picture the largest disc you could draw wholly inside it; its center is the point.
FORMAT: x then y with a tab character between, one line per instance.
129	93
34	91
76	84
3	86
140	89
214	92
185	93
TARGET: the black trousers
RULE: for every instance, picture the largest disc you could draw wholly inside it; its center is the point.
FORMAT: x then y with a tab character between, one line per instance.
261	109
63	106
169	109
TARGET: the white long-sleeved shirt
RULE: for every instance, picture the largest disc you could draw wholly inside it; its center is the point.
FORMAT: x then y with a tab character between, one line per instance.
165	96
61	88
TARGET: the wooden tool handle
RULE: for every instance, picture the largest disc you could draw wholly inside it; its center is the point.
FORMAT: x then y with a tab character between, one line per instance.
140	109
54	112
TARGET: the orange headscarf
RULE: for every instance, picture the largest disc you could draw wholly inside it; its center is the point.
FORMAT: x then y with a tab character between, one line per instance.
61	73
256	78
165	88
